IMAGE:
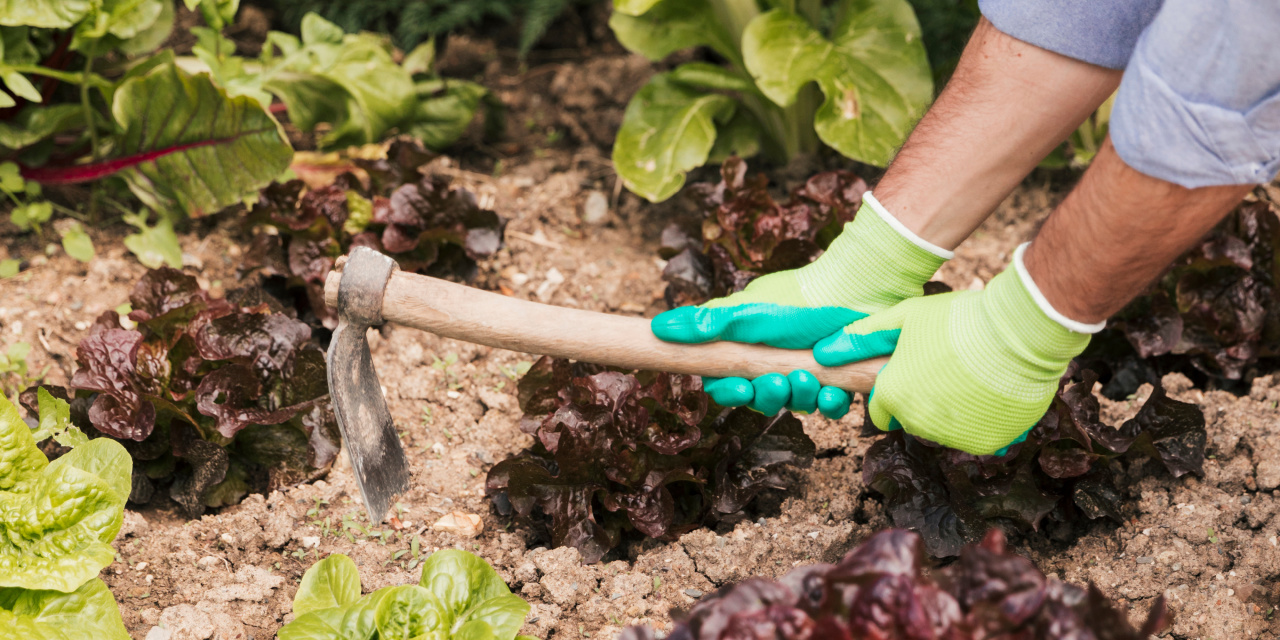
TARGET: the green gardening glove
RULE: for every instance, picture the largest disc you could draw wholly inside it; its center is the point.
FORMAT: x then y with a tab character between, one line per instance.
874	264
971	370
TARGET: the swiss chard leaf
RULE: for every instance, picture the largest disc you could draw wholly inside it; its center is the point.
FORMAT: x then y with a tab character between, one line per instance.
60	517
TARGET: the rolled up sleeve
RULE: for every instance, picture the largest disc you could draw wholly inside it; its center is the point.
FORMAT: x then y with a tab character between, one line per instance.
1101	32
1198	105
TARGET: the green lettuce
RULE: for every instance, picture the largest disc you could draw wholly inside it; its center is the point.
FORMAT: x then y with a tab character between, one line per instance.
57	520
459	596
88	613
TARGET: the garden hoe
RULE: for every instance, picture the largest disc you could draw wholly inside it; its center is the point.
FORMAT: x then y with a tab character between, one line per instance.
368	289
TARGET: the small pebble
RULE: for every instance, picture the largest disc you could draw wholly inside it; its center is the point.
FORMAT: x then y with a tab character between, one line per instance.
596	208
693	593
615	596
1146	560
1177	566
1245	499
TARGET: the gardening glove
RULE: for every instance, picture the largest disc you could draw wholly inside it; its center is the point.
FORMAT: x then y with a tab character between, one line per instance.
874	264
971	370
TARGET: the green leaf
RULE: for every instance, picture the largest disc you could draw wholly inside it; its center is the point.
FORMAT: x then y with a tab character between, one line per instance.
11	177
739	137
6	100
672	25
410	611
710	76
55	415
501	617
873	73
122	18
87	613
77	243
361	214
21	86
34	124
65	514
445	108
154	246
332	582
461	580
317	30
46	14
356	86
421	59
149	39
9	267
356	621
634	7
210	150
668	129
31	215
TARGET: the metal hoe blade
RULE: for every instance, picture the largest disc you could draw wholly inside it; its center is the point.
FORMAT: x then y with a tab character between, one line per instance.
381	469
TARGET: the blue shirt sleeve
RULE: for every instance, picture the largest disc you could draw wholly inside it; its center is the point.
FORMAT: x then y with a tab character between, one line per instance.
1101	32
1199	104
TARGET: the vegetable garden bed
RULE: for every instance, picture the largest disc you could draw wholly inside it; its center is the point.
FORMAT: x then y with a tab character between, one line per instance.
1207	543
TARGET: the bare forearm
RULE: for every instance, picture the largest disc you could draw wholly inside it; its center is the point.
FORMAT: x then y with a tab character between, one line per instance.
1115	233
1006	107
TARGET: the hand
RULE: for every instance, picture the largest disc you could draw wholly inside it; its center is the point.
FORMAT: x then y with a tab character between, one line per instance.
874	264
971	370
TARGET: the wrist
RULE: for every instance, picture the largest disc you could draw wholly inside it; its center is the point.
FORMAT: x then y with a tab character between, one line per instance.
872	264
1042	302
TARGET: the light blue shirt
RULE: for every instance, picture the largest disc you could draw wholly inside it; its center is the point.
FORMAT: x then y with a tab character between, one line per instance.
1199	104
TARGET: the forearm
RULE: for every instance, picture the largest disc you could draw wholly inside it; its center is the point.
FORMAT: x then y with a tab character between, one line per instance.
1115	233
1007	106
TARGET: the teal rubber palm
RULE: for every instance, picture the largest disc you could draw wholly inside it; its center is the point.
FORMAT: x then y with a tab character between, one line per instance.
871	266
971	370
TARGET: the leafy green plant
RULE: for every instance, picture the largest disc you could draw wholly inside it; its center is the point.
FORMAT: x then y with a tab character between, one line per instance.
419	220
348	81
62	516
59	520
15	373
459	596
744	233
1058	474
884	589
412	22
615	452
864	56
87	613
191	136
214	398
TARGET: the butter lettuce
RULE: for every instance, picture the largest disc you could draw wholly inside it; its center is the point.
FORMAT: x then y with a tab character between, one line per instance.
57	520
459	596
88	613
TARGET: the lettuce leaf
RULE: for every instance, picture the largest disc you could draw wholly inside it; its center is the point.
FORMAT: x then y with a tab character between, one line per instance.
57	520
88	613
459	596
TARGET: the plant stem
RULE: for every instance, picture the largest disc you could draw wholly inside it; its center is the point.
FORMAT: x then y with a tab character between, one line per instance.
86	103
735	15
69	77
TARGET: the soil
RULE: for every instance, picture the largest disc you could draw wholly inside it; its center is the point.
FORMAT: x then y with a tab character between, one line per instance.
1208	544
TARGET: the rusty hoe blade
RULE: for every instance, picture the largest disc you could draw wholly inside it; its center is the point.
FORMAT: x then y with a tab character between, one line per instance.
381	469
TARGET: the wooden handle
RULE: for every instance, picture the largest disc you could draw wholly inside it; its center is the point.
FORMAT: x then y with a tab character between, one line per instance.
465	313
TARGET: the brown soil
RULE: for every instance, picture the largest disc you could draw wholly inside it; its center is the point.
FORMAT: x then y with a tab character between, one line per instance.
1209	544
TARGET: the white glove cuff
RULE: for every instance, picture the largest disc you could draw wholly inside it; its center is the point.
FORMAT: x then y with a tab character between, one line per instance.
903	231
1043	303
